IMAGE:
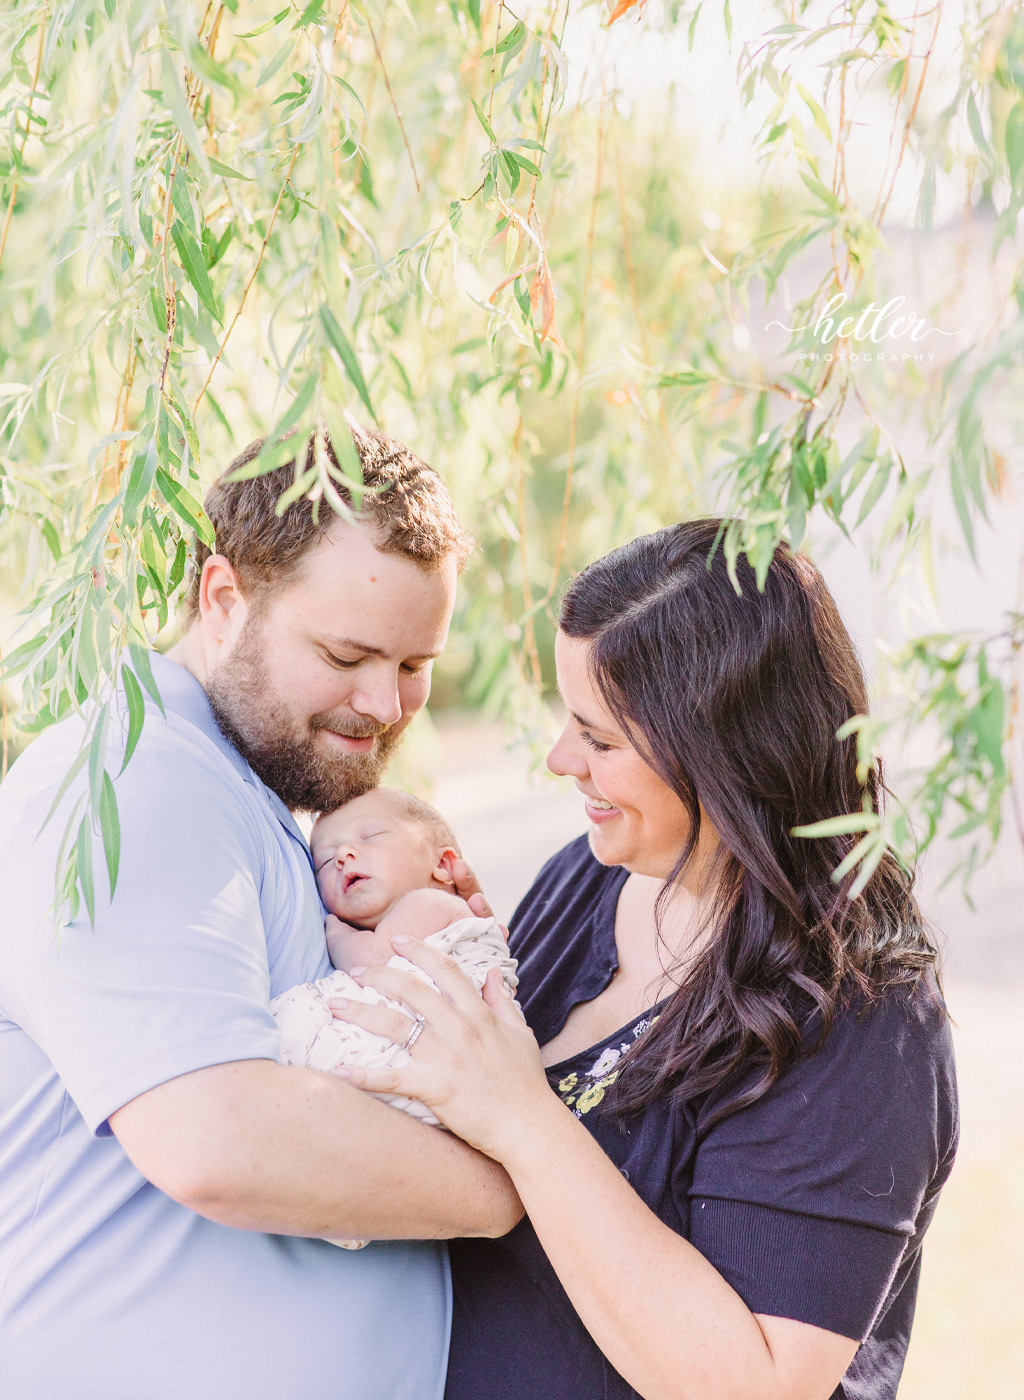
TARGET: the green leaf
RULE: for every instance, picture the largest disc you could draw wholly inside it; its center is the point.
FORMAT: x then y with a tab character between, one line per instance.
228	172
49	534
878	484
838	826
185	505
473	10
282	56
299	487
820	119
143	669
1015	145
173	91
483	121
136	712
513	38
140	480
83	852
977	131
692	30
870	864
310	14
854	857
346	354
521	161
97	756
265	28
511	169
110	830
822	191
987	720
69	778
194	264
296	411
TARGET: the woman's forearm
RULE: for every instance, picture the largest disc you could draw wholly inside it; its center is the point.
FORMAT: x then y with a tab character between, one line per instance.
662	1315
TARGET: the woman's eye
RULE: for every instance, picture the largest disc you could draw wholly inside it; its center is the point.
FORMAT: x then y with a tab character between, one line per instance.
594	743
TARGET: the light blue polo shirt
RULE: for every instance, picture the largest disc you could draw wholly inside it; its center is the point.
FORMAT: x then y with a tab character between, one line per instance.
109	1290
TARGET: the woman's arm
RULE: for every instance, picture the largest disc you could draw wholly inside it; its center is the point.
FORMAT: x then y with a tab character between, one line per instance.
661	1314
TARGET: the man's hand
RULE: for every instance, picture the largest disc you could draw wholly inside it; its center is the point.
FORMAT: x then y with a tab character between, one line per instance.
468	887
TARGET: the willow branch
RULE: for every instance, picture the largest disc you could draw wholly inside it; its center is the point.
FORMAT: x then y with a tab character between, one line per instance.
248	285
574	414
24	140
911	116
529	631
394	104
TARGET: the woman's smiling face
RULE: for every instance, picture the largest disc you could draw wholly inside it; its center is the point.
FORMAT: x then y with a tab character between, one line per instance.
636	820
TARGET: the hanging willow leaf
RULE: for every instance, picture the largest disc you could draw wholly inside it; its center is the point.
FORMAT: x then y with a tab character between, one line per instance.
86	874
191	245
177	104
339	342
194	265
136	712
110	830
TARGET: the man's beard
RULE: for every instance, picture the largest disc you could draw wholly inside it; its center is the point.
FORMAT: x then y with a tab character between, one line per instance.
280	748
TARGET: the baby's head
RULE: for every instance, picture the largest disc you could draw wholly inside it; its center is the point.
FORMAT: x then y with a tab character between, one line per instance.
377	848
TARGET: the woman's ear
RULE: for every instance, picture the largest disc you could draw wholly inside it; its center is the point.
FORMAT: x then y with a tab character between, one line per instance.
442	872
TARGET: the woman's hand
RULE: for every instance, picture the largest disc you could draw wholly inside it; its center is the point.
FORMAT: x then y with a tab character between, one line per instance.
475	1064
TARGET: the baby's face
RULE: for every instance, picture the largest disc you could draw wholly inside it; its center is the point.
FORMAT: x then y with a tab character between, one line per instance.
367	855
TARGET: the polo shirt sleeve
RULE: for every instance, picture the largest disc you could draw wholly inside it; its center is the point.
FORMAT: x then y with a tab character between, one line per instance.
174	975
808	1201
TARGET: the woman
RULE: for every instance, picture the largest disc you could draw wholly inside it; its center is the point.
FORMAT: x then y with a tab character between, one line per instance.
731	1140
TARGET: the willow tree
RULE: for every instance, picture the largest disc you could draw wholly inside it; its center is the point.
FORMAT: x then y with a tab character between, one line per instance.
221	221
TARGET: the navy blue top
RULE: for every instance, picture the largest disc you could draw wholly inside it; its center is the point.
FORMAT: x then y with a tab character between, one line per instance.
812	1202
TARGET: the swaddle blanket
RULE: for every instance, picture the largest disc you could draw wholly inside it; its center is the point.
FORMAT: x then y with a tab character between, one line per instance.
311	1036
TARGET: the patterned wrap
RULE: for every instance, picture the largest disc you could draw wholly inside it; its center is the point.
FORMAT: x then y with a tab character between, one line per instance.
311	1036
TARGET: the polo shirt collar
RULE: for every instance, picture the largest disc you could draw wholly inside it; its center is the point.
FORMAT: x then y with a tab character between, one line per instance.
183	695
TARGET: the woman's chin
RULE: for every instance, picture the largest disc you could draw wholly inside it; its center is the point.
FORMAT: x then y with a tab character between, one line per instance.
601	848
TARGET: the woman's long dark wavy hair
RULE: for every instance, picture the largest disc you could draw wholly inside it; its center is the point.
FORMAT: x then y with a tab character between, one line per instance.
735	700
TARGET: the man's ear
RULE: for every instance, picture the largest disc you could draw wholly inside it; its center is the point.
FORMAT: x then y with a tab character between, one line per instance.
442	872
222	605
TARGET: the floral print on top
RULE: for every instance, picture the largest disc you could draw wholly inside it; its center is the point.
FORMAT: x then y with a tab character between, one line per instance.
582	1089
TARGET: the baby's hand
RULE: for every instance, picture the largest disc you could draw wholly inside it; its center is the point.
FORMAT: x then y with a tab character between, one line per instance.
348	946
423	912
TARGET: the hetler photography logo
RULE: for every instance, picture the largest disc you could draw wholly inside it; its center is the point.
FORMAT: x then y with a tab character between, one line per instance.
880	326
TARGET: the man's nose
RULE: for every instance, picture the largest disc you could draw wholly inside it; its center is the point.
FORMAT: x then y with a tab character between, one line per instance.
378	699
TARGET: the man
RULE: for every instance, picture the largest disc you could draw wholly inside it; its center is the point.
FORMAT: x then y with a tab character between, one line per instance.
162	1175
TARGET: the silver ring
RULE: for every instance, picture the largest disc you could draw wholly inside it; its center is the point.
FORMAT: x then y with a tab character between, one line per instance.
416	1032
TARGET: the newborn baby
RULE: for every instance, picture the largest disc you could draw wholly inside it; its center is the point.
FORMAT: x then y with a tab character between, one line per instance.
384	866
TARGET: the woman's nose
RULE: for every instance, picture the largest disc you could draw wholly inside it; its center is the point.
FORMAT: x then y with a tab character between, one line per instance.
565	758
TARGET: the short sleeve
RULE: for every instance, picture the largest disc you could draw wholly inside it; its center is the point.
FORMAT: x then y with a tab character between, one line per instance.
174	975
808	1201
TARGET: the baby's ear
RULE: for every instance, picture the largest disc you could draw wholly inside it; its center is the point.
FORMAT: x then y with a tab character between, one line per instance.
442	872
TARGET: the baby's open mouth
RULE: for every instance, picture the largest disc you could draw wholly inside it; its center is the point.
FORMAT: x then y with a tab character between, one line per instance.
351	879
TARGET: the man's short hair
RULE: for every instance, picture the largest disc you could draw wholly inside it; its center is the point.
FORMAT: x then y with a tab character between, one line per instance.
407	503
